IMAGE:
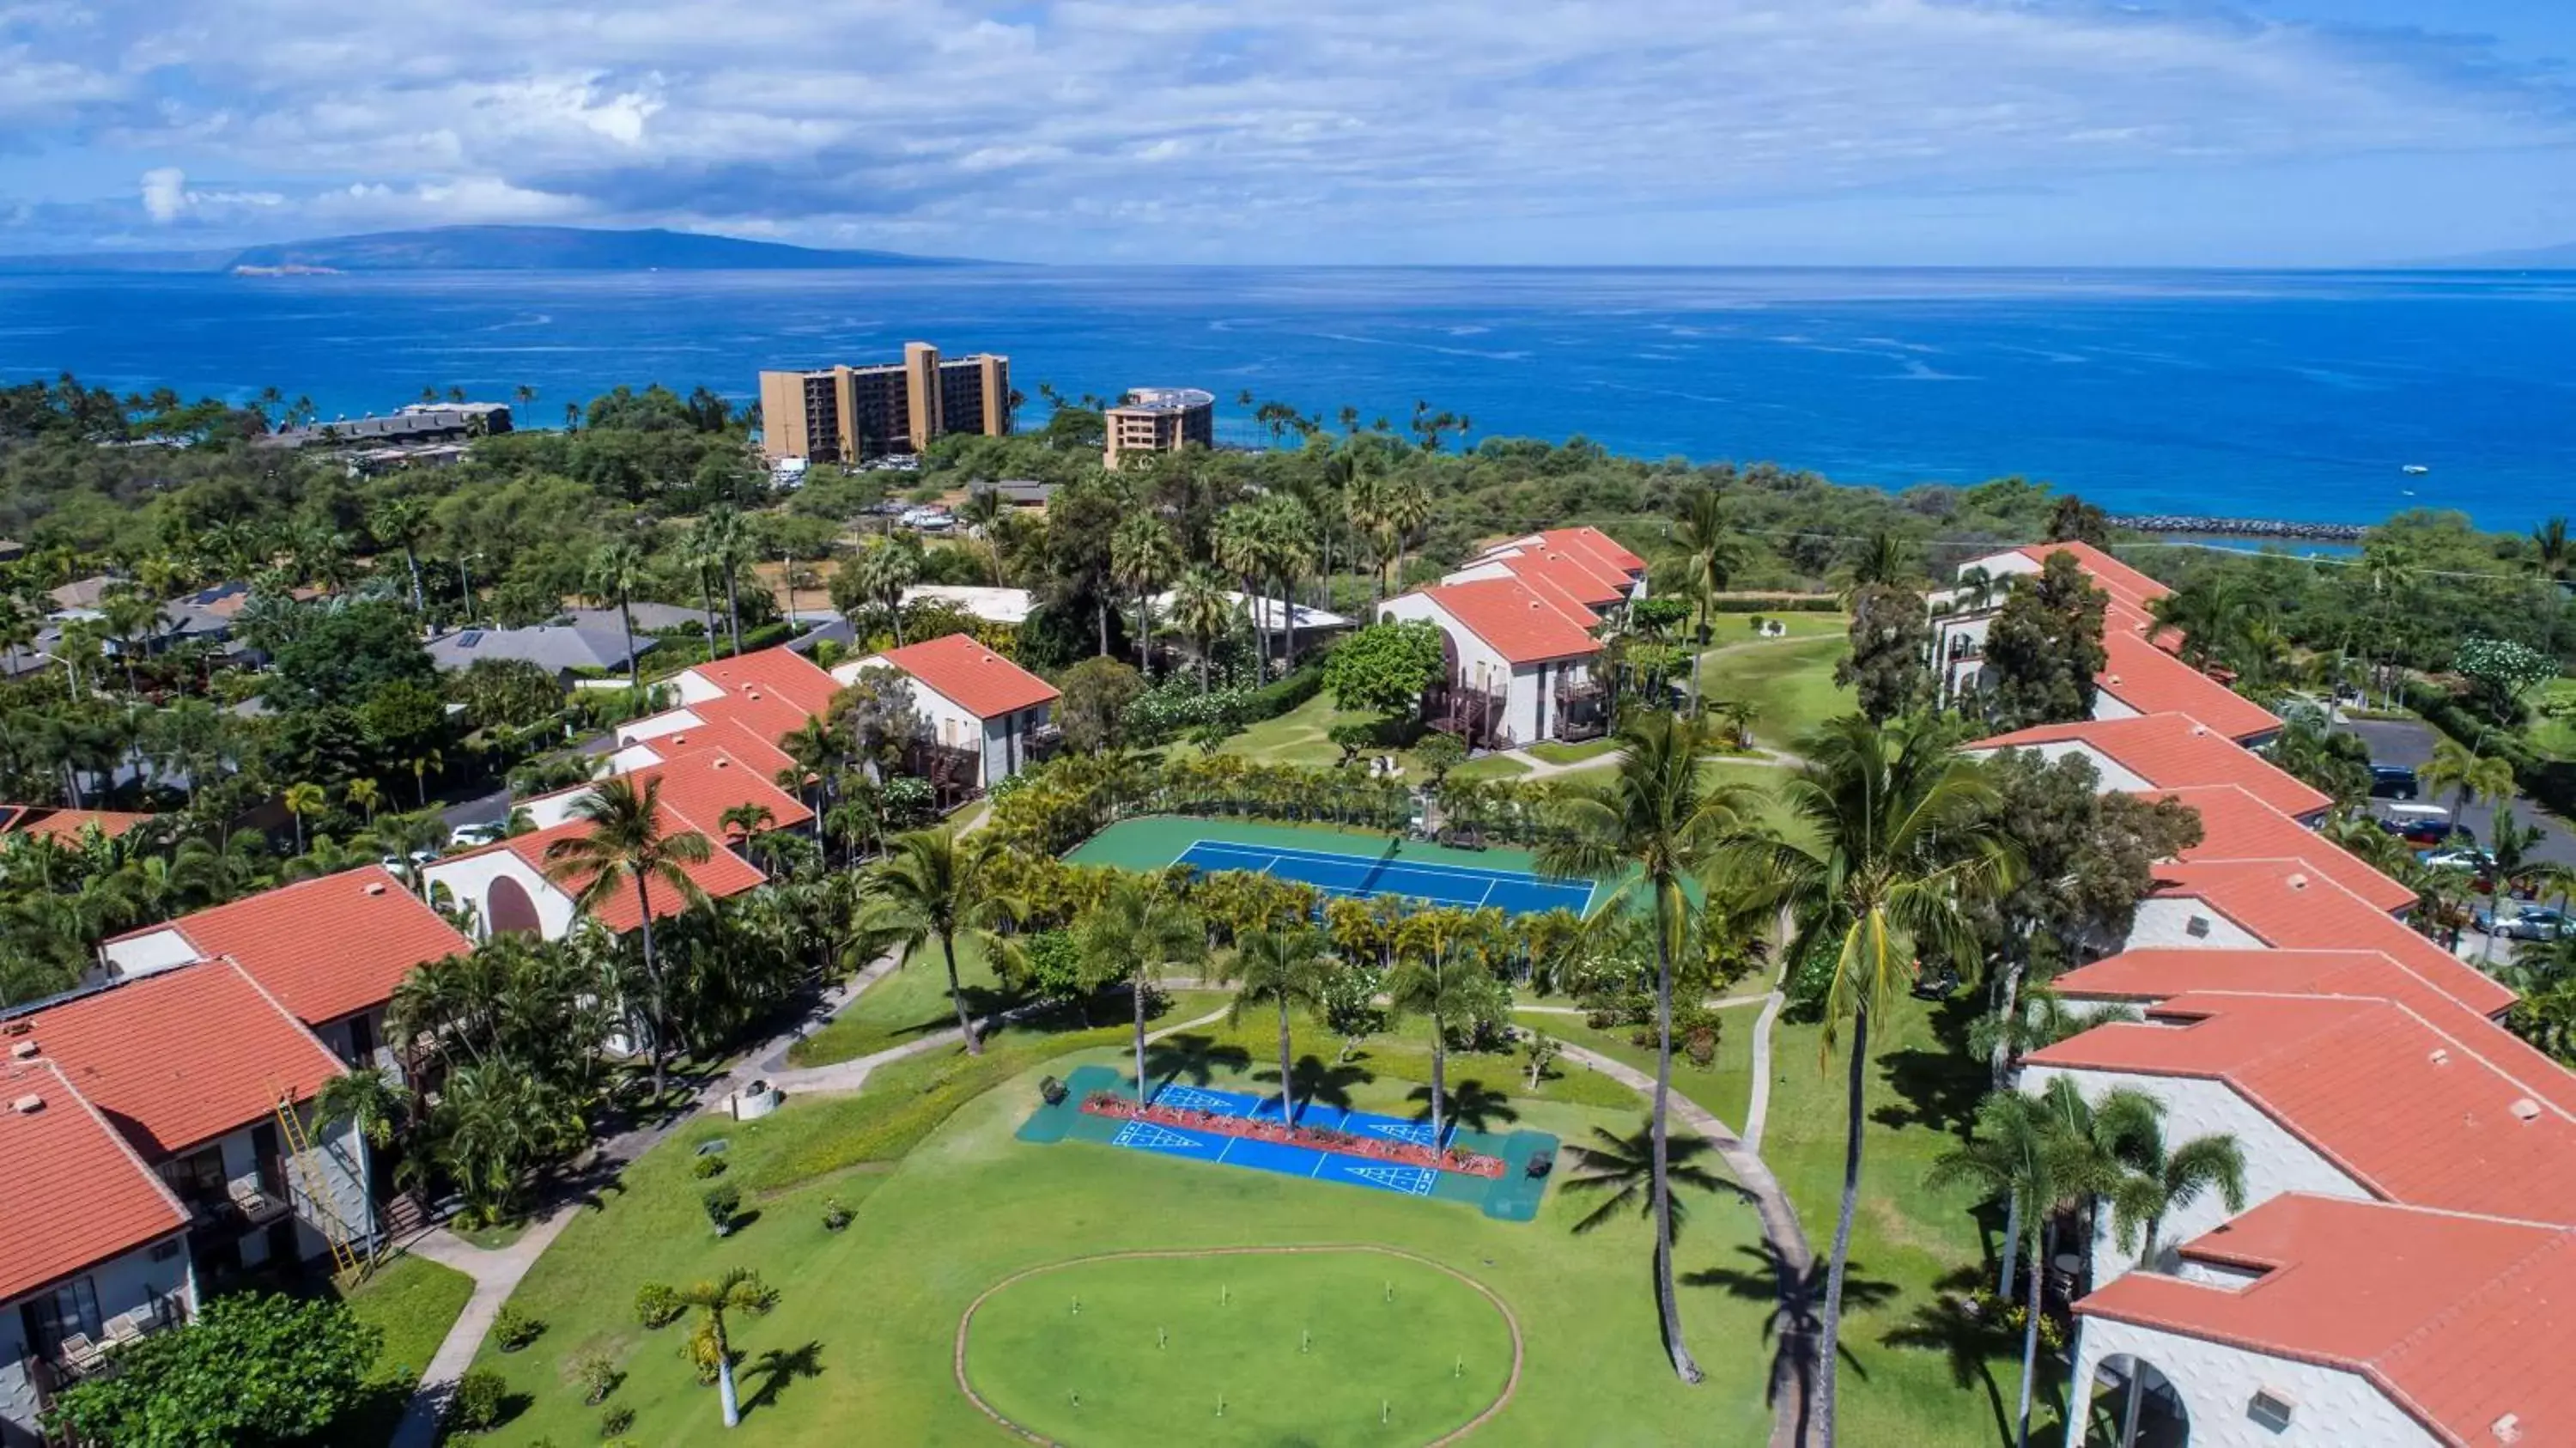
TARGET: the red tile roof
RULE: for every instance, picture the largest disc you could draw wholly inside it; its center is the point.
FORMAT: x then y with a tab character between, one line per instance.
721	875
2154	974
779	672
1546	587
2126	585
74	1194
1599	544
971	676
2234	825
2409	1111
325	948
66	825
2175	751
180	1057
2462	1321
2293	905
700	784
1589	581
2151	681
733	736
1513	621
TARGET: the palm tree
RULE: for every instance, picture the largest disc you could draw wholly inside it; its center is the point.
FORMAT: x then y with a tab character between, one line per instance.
883	570
624	842
303	799
724	543
739	1290
1431	980
1710	556
615	571
1286	968
1242	545
2172	1177
932	885
1408	507
1288	552
400	520
132	620
2556	556
1364	503
363	1099
1895	837
1144	556
2454	766
1141	931
1201	609
367	795
1652	827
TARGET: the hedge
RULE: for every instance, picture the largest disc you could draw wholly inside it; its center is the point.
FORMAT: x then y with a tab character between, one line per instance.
1785	603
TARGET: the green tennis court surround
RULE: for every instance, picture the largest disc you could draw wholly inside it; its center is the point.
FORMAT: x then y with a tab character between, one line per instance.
1339	862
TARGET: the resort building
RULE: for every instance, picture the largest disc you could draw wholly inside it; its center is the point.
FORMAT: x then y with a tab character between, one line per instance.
1159	420
420	424
329	952
2162	752
1285	628
762	696
566	651
850	414
2139	674
1580	570
2319	1319
985	718
64	826
2236	824
1515	667
97	1247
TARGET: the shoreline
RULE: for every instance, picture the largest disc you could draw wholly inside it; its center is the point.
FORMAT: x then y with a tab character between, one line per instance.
2193	525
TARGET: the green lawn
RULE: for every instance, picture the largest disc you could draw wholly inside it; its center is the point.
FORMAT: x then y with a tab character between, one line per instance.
1791	682
1299	737
1555	752
1352	1347
910	1003
1724	1086
413	1301
947	1203
2555	737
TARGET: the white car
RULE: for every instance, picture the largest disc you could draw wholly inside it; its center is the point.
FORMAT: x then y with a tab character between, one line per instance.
466	837
928	519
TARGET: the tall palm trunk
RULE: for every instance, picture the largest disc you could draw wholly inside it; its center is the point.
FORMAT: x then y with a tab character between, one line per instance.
733	611
419	600
707	609
626	619
1287	1100
1287	623
2012	1246
1439	1078
1665	1302
1827	1351
957	996
2000	1067
1136	992
1100	611
2030	1339
724	1378
652	990
1207	646
1144	630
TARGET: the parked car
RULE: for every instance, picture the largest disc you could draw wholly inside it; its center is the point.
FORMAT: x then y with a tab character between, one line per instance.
2393	781
2533	922
466	837
2458	856
928	519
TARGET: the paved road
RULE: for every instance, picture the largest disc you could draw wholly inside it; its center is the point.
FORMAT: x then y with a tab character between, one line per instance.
2407	743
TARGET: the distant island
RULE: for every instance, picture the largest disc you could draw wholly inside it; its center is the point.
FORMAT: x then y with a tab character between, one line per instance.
492	248
2537	258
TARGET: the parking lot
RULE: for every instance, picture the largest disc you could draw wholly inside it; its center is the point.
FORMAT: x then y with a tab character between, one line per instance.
2409	744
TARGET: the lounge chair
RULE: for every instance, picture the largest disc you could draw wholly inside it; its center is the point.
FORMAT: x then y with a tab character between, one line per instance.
81	1354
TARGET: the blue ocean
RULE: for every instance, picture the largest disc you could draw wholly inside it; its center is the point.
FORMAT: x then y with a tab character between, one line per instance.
2290	395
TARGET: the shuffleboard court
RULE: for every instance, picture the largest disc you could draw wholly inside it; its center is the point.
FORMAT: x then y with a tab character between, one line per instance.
1514	892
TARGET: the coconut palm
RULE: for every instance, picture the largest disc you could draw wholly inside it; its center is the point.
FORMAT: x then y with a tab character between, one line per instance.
724	542
1710	556
302	800
2554	554
1894	839
1433	979
366	796
1284	967
1201	609
363	1099
399	521
1364	503
933	885
2468	774
1408	508
1140	932
881	573
1653	826
1242	544
615	571
738	1291
624	843
1144	556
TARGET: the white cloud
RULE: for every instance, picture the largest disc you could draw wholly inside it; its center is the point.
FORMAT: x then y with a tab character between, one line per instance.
1265	122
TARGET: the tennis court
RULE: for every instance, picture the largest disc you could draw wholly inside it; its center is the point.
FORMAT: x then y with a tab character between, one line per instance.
1515	892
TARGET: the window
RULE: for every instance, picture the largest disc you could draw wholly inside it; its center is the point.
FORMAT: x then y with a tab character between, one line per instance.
52	1316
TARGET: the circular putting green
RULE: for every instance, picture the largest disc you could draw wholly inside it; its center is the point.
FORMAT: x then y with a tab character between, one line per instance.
1256	1346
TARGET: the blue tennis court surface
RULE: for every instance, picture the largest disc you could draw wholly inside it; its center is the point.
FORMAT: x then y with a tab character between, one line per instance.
1515	892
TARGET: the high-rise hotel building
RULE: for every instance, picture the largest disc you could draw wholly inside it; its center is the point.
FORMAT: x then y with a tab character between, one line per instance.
847	414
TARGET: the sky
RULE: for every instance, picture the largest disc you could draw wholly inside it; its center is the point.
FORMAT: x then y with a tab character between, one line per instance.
1649	132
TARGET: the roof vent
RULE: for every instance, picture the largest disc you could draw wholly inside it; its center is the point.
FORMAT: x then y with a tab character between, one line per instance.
2507	1429
2524	1109
2270	1409
25	1050
2197	927
721	761
28	1105
2441	1056
375	887
2298	882
2199	729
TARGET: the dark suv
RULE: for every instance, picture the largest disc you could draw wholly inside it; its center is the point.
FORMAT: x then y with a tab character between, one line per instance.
2393	781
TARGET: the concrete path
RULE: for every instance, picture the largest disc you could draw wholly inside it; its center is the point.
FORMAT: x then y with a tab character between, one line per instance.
1794	1365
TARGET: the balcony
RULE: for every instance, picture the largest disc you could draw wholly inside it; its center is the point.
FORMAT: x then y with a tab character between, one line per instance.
1582	710
1474	715
955	773
1042	742
79	1358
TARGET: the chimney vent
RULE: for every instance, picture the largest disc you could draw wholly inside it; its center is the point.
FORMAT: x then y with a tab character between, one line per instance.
28	1105
2441	1056
375	887
2525	1109
25	1050
2298	882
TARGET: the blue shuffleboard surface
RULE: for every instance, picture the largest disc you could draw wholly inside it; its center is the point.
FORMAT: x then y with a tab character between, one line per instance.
1515	892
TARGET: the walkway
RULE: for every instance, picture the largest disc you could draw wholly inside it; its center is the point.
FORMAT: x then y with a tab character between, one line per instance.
1793	1365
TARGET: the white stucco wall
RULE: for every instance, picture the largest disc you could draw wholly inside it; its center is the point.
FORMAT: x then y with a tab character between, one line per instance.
2275	1160
2107	705
2112	774
1479	666
2330	1408
654	726
120	1285
145	954
2166	923
470	877
691	687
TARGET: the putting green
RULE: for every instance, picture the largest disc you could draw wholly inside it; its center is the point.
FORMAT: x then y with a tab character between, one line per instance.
1257	1346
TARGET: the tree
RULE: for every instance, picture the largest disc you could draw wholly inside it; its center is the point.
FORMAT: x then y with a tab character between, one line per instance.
340	654
2553	554
624	843
249	1372
2470	775
933	885
881	716
1139	932
738	1291
1433	981
2022	1153
1286	967
2502	672
1202	610
615	571
1893	842
2045	647
1710	555
1383	668
1144	556
877	578
1891	641
2073	520
1097	692
399	521
1627	1169
304	799
1654	826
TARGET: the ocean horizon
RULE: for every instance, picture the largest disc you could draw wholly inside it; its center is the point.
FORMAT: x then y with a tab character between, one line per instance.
2299	395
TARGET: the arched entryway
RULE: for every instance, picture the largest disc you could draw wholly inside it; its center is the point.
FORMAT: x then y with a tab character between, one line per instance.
508	910
2135	1406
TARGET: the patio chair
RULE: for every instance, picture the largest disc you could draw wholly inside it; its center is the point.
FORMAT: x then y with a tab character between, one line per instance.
126	1327
80	1354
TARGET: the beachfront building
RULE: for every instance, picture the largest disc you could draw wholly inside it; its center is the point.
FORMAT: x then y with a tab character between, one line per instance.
2319	1319
415	425
1158	420
2139	675
850	414
1515	666
97	1247
1581	570
984	718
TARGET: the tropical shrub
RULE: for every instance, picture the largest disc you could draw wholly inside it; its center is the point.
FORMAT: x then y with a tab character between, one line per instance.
513	1329
597	1373
657	1305
708	1167
721	1203
480	1399
835	1215
615	1422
